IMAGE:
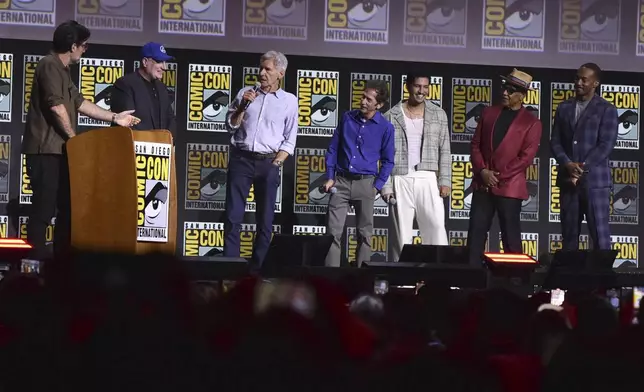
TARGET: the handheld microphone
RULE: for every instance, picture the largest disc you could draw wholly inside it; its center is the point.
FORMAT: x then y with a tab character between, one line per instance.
331	190
246	104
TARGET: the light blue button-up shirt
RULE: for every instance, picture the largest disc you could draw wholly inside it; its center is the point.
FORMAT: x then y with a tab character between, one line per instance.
269	124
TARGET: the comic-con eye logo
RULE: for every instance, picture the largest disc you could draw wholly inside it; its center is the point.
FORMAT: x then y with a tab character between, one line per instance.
251	204
555	242
589	26
28	12
49	231
317	96
380	208
285	19
530	207
6	86
440	23
203	239
529	244
514	25
308	230
627	247
97	77
559	92
194	17
125	15
29	71
209	97
554	194
640	29
206	175
627	101
251	77
4	226
25	182
5	165
459	238
169	78
247	235
310	175
554	207
626	188
532	100
434	93
379	244
416	238
469	98
358	84
461	193
357	21
153	190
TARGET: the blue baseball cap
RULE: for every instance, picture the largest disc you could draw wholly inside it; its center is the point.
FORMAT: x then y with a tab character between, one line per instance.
155	51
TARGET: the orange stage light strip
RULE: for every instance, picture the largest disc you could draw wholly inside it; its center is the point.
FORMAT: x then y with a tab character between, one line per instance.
14	243
510	258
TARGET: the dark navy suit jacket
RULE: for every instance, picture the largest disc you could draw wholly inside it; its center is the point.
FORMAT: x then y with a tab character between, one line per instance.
590	141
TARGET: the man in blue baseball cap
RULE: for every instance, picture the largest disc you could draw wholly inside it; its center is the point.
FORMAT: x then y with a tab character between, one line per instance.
155	51
144	92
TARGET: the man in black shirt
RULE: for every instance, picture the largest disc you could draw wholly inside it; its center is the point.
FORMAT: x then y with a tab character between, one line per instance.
143	91
504	145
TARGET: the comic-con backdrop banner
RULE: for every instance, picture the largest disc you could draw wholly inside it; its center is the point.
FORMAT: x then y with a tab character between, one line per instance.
203	84
539	33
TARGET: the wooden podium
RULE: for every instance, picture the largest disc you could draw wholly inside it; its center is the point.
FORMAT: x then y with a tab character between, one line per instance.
108	194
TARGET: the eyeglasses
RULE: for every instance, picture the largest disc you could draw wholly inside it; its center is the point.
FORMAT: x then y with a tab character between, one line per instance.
511	89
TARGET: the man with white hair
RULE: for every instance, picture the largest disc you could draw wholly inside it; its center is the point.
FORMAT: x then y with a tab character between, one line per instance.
263	123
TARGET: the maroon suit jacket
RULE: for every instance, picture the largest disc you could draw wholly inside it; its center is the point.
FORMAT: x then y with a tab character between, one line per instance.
513	156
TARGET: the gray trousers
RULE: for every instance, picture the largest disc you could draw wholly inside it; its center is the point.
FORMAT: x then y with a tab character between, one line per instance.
362	194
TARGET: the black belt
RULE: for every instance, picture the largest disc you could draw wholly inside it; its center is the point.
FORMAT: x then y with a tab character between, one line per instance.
353	177
255	155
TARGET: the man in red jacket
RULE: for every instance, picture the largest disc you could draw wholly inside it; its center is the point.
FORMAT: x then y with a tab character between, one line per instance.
504	145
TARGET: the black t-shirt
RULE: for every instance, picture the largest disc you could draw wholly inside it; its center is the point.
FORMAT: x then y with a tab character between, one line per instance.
502	125
154	99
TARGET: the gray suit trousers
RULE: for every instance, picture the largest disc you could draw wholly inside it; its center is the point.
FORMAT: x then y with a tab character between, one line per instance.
362	194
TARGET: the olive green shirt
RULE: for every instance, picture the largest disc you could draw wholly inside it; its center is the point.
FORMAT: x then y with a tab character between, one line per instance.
52	86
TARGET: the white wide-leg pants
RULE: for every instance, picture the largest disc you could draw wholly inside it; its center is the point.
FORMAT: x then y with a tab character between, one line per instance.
417	195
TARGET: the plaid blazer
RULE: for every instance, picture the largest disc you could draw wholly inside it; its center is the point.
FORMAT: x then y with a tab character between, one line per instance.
435	153
590	141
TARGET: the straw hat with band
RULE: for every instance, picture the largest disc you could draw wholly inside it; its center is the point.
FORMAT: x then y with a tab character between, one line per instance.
518	79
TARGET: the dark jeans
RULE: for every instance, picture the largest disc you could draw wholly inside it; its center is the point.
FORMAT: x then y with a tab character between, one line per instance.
49	175
242	173
484	205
